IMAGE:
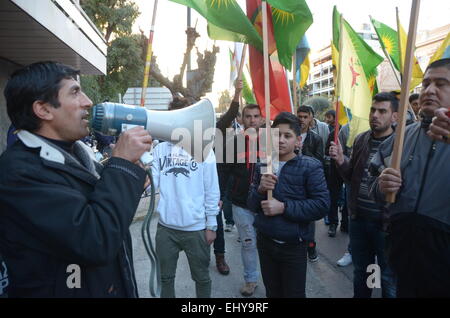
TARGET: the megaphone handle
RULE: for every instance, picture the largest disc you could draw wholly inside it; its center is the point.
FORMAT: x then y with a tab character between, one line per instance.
146	158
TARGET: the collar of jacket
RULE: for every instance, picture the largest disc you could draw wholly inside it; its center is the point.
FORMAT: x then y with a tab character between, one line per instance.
56	158
48	152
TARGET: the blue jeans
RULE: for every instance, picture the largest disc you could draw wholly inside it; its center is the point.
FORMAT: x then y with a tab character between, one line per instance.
244	220
367	241
219	242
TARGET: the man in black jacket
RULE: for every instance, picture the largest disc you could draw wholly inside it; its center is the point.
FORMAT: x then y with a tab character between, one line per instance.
241	165
64	219
367	234
312	146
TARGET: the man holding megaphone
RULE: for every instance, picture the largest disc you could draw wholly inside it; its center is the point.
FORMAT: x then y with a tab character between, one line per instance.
64	219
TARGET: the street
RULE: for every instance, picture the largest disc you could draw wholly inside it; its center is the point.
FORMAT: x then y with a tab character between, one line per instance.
324	278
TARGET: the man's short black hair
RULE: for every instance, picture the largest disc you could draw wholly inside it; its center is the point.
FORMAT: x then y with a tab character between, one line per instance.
387	97
331	112
439	63
306	109
289	119
35	82
413	97
250	106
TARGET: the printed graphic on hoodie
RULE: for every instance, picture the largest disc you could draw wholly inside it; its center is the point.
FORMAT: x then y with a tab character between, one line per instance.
178	164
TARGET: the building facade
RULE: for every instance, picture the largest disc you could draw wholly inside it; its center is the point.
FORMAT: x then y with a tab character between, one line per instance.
56	30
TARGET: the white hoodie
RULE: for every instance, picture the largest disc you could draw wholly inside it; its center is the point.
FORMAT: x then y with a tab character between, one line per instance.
189	191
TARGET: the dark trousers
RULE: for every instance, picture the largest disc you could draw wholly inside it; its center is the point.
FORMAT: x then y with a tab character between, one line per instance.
367	241
227	205
283	268
219	242
419	252
334	183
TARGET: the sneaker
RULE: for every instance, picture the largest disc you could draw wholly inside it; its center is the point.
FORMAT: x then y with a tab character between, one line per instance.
248	289
332	230
325	219
345	260
312	253
229	227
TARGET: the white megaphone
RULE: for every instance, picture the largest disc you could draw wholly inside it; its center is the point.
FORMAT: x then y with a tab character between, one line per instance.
192	128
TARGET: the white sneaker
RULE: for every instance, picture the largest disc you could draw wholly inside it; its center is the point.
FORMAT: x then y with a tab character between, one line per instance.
229	227
345	260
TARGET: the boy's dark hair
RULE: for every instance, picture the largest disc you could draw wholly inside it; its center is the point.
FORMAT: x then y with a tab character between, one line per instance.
289	119
306	109
331	112
413	97
439	63
250	106
387	97
35	82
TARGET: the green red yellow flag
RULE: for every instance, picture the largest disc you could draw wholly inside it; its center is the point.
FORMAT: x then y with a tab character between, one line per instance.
357	78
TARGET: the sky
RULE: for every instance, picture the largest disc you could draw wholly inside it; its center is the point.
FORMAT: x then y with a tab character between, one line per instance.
170	39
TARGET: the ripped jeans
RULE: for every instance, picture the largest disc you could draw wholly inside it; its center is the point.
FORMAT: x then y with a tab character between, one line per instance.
244	220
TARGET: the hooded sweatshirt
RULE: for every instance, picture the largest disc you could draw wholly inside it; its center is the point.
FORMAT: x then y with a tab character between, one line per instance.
189	190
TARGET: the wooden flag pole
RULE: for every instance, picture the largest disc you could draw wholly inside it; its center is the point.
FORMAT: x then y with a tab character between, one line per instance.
294	79
267	92
402	57
339	83
148	60
240	71
406	83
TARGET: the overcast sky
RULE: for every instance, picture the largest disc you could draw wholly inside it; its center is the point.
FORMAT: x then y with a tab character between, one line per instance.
169	41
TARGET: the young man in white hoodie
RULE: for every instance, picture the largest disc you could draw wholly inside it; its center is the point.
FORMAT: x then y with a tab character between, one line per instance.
188	206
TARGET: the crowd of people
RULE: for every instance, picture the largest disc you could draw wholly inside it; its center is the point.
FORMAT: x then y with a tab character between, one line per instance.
59	206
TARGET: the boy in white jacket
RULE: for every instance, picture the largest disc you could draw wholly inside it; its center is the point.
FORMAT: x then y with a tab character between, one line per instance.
188	206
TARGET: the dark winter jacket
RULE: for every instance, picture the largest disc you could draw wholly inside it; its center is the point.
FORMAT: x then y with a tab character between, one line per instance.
313	146
302	188
241	167
56	212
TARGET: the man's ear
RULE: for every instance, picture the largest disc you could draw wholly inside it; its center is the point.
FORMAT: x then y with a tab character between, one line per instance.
394	117
42	110
298	142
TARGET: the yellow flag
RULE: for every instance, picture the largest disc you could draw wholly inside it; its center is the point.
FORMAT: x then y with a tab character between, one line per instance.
354	90
443	51
417	74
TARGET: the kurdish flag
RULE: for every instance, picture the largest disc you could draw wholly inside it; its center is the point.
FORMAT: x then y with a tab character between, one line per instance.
359	63
417	74
226	20
444	50
291	19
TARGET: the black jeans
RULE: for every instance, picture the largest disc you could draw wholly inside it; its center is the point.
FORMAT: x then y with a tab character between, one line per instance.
283	268
334	183
219	242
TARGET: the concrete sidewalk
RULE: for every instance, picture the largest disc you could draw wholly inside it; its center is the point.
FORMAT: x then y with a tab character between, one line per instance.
324	278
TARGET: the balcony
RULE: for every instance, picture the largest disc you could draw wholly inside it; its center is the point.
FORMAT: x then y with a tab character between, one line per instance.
57	30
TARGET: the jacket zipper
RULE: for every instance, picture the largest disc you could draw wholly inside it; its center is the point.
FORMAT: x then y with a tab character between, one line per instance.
430	155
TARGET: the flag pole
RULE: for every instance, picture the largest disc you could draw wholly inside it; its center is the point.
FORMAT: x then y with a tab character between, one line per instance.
267	92
148	60
402	57
294	79
406	83
339	82
240	71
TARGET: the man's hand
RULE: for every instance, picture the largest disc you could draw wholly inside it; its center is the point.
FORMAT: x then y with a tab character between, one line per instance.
210	236
336	153
268	182
272	207
132	144
220	204
390	181
440	128
238	86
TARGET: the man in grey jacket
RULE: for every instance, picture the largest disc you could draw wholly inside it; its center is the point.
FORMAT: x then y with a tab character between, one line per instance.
420	217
